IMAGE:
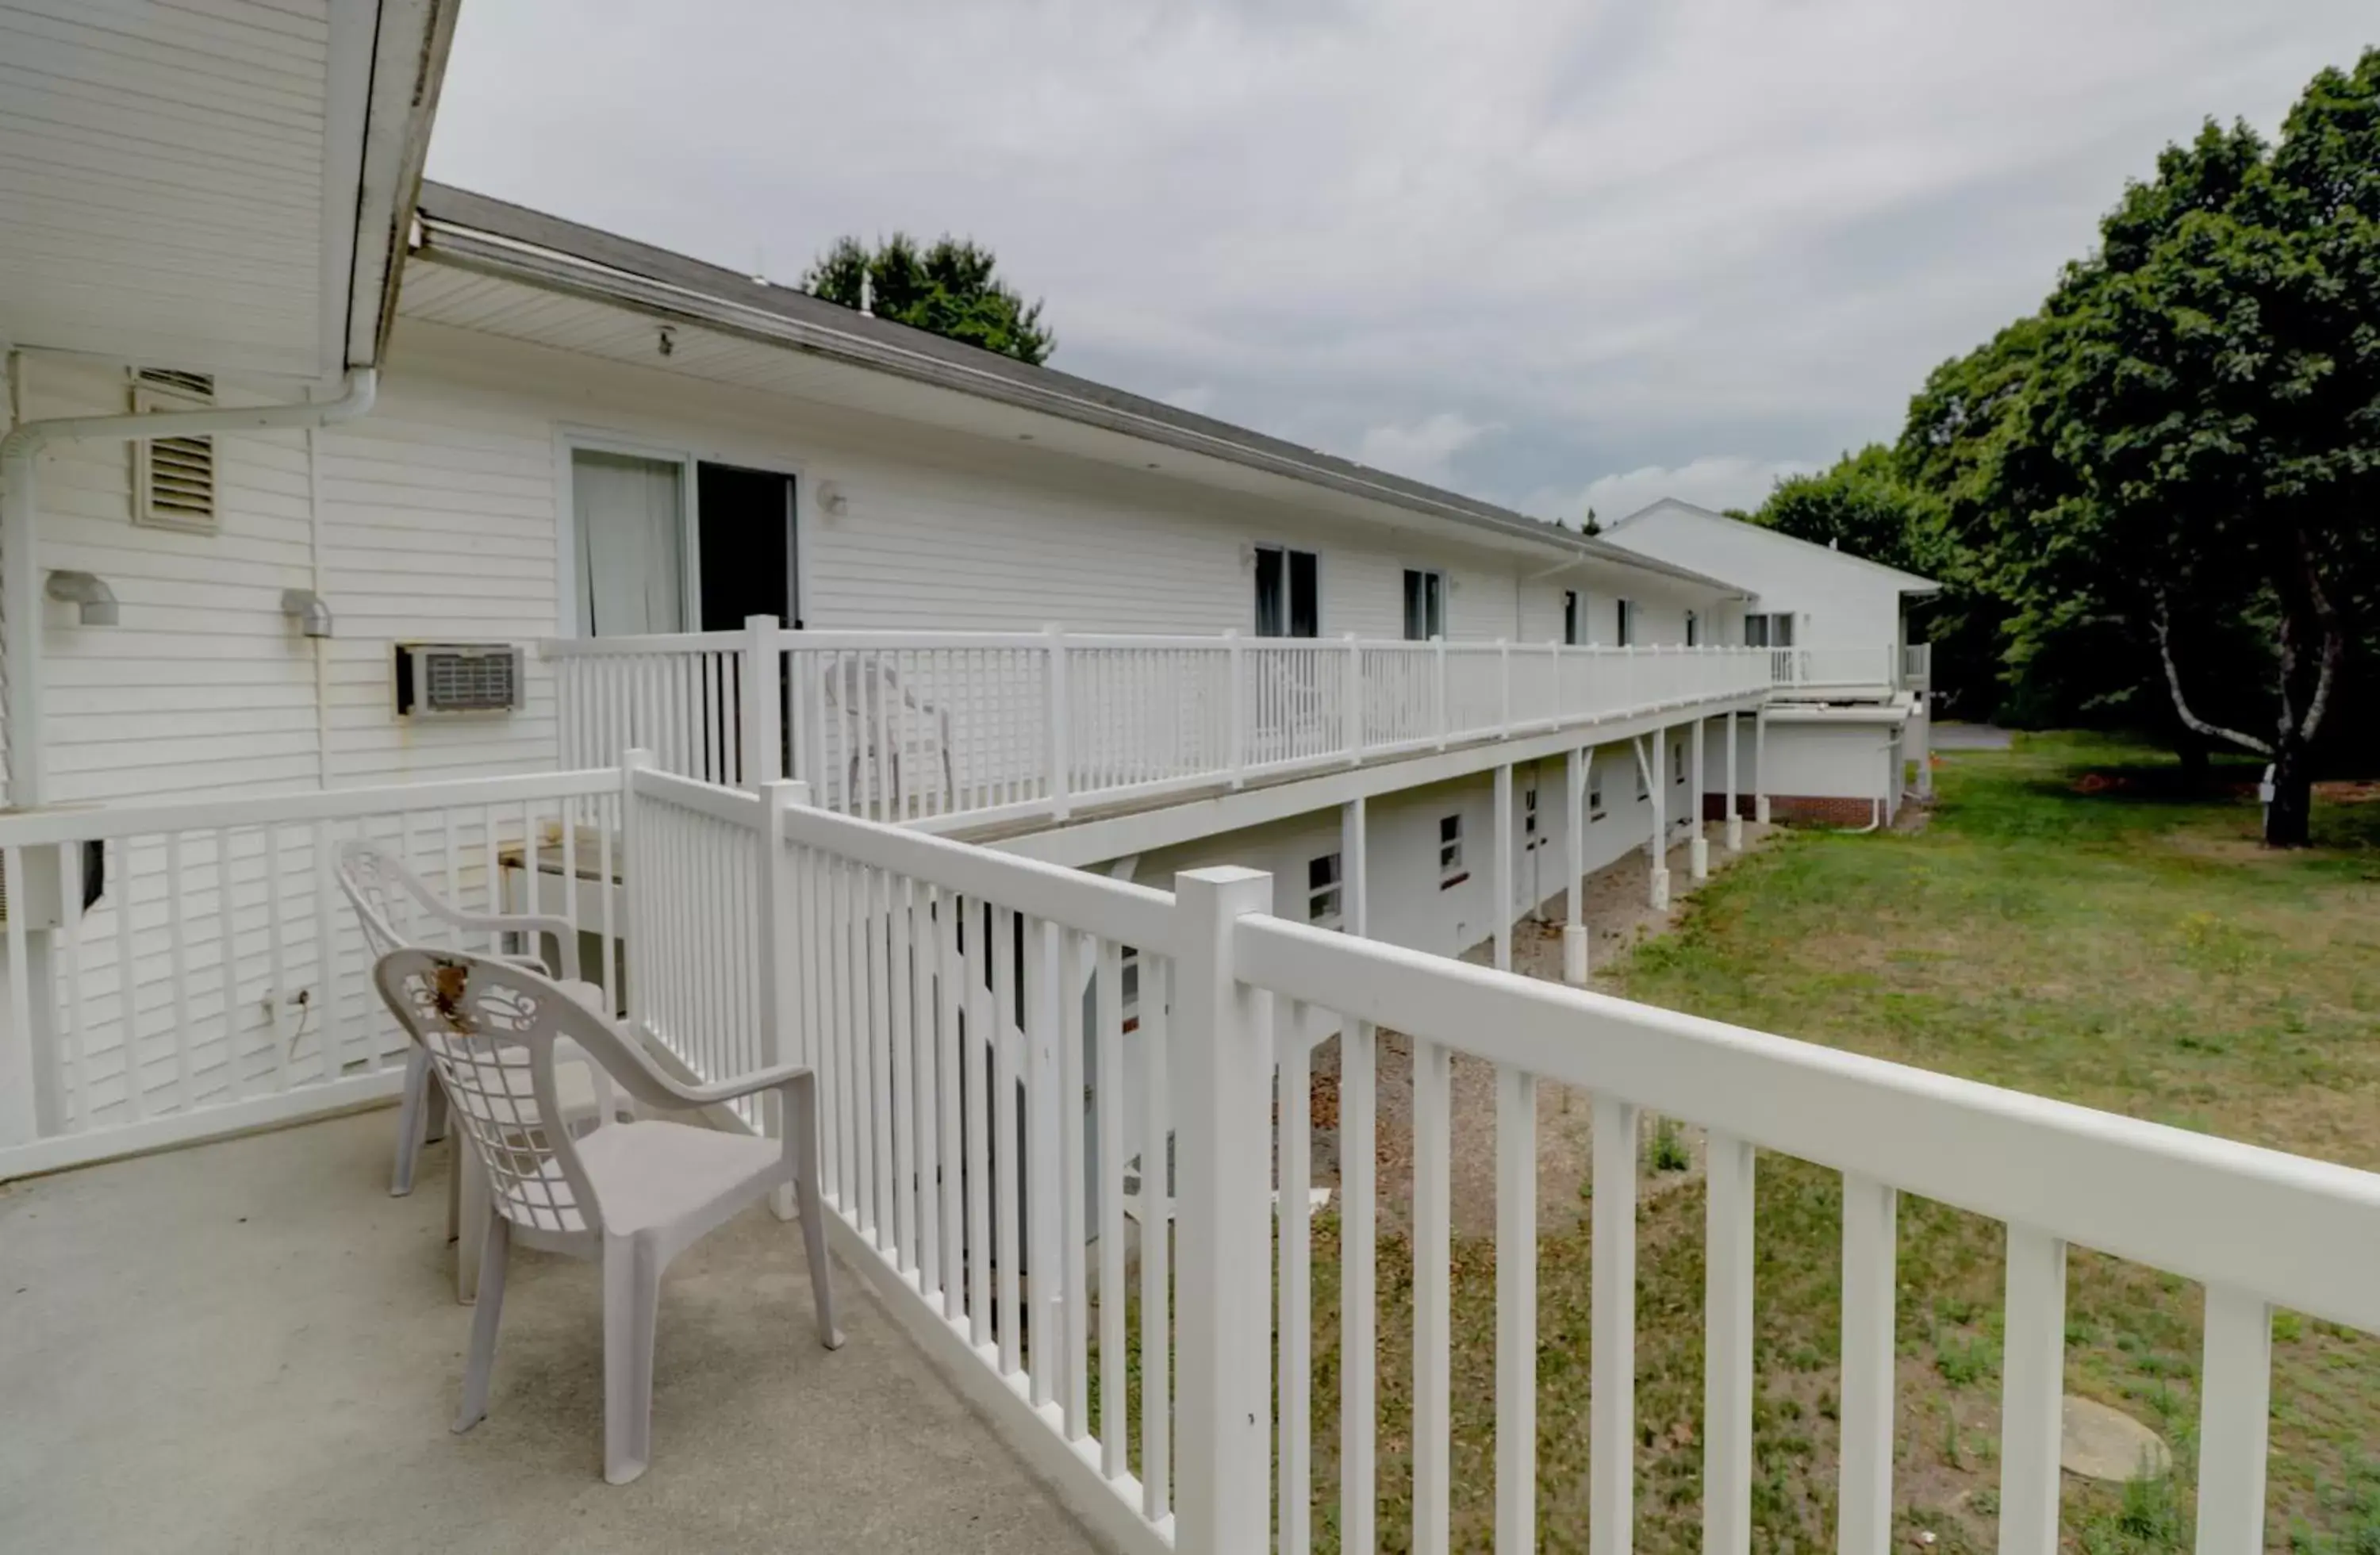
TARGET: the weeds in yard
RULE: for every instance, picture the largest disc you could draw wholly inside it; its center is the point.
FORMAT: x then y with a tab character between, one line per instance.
1669	1147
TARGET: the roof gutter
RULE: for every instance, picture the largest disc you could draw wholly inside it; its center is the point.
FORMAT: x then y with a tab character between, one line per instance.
486	253
19	532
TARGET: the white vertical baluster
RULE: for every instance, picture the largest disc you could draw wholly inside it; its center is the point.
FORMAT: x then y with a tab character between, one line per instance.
1156	1241
984	1040
924	957
1107	1154
226	965
902	1111
951	987
1295	1108
1516	1308
177	932
1073	1228
2235	1403
21	1094
1727	1362
1002	1102
1611	1406
1037	1175
1433	1252
1864	1518
74	1069
276	955
2033	1386
881	1111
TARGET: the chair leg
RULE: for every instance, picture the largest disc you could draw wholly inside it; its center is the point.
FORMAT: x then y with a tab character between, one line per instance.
803	1118
412	1120
632	1291
473	1205
434	1118
496	1242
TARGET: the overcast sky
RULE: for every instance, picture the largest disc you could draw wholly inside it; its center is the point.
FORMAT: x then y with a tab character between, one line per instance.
1546	254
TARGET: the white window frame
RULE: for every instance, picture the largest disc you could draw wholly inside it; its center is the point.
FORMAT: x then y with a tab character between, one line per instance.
1288	600
1450	869
1623	622
1595	810
1693	628
1574	633
1677	763
569	440
1326	903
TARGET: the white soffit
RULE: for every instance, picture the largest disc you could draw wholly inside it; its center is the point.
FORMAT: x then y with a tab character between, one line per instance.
183	185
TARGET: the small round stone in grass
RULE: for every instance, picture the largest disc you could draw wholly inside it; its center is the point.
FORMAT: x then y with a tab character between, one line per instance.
2098	1443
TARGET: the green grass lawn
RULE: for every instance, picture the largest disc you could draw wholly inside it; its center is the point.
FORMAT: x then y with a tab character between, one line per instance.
2071	924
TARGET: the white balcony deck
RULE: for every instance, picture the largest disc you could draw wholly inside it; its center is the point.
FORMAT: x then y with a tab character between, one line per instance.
250	1346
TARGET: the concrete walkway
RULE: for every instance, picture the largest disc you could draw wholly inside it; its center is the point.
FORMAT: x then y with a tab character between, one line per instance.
250	1346
1968	737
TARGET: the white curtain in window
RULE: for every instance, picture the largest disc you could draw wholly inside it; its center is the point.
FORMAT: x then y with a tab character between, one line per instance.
631	544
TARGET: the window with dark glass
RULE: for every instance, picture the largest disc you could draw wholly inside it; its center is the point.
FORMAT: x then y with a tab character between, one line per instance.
1288	593
1425	606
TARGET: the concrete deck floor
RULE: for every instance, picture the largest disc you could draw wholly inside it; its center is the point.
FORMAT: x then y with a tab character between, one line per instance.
250	1346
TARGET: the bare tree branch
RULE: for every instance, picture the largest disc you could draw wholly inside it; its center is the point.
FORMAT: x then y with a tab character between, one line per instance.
2173	684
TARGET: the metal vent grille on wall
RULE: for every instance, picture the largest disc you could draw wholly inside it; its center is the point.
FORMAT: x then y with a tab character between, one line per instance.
173	478
442	679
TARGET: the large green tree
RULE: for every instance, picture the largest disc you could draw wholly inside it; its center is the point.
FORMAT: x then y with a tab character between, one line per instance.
2158	498
2209	400
951	287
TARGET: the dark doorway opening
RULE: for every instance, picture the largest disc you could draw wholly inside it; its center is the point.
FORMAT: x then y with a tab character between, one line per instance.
751	562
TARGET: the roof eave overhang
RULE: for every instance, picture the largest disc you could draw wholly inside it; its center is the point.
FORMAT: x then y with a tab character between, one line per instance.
388	69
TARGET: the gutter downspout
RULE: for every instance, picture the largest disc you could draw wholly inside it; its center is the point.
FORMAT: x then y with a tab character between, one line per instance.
19	532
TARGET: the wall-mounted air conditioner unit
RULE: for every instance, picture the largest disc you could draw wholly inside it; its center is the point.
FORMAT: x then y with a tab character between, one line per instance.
41	894
454	679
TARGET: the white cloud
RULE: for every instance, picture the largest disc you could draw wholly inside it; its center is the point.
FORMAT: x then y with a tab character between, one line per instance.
1424	451
1716	481
1622	235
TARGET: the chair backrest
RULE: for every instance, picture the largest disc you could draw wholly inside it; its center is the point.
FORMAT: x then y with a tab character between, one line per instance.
374	880
491	1027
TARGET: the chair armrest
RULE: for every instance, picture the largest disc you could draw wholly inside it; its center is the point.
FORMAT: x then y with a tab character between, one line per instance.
648	1083
564	932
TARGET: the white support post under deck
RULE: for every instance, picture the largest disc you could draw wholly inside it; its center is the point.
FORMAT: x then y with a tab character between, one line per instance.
1760	767
1574	940
1697	850
1502	874
1734	821
1652	759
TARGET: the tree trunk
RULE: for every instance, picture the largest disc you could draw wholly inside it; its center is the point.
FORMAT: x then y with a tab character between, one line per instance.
2288	819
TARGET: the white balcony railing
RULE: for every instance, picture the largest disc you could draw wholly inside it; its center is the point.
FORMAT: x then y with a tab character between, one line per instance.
1917	665
1868	668
931	983
179	970
924	727
1004	1046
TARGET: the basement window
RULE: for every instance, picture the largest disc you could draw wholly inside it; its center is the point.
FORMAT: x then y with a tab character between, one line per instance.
173	478
1642	789
1677	763
1322	892
1451	871
1593	790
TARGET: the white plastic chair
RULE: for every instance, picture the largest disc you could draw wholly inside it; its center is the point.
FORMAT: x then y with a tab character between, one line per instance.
379	886
631	1196
887	727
